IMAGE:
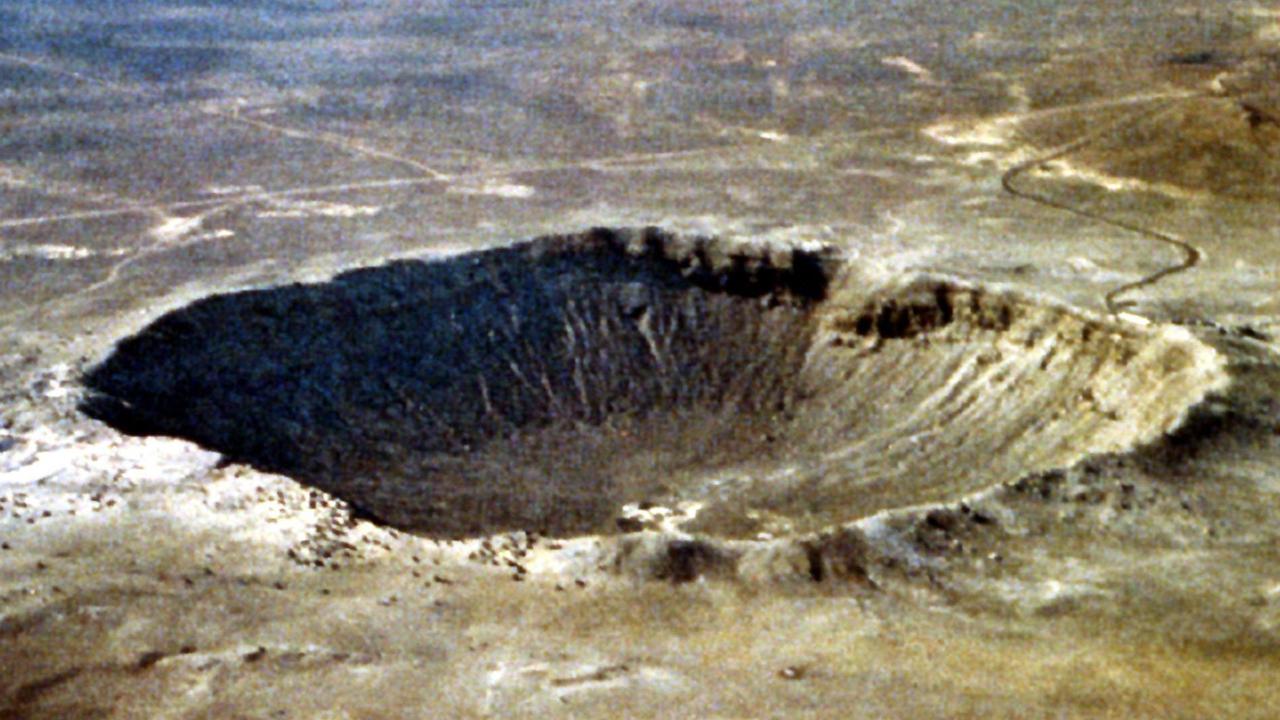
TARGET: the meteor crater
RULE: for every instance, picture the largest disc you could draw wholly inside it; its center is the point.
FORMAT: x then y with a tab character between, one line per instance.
545	385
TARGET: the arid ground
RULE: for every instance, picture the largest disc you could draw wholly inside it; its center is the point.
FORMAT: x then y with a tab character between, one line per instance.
382	359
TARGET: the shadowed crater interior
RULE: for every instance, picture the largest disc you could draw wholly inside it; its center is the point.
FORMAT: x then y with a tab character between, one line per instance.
543	386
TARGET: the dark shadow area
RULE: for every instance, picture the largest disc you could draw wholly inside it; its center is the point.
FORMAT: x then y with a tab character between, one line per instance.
1238	420
535	387
152	63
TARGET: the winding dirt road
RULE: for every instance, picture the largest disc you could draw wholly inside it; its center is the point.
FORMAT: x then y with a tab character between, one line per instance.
1191	255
